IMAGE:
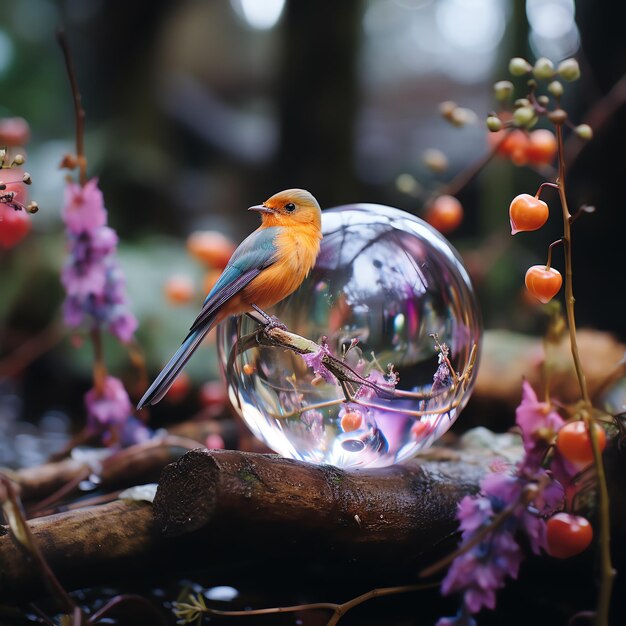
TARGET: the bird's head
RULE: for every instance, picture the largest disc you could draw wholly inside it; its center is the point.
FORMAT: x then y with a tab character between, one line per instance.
292	207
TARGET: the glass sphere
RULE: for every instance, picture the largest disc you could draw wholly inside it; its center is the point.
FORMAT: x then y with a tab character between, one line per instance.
391	300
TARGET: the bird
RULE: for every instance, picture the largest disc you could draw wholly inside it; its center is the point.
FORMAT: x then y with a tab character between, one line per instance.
266	267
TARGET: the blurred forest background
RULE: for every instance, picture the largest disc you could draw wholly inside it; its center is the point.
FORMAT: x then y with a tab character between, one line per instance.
197	109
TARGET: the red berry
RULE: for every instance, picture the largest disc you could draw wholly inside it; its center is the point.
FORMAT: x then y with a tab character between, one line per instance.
542	147
445	213
213	393
179	389
527	213
419	430
543	283
573	442
567	535
14	131
14	226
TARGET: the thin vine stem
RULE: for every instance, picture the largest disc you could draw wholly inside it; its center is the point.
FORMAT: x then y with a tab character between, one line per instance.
79	111
99	366
607	573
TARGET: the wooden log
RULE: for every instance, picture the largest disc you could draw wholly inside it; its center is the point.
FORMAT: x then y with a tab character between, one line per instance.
233	503
133	465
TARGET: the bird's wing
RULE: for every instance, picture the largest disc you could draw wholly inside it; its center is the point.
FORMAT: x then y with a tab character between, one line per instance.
253	255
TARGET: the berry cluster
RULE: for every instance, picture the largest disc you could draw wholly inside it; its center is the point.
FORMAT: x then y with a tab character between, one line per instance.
511	137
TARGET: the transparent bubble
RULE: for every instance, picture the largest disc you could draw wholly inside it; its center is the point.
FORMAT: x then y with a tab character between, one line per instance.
383	284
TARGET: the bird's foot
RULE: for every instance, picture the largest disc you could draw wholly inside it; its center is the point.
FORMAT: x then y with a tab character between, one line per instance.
274	322
271	321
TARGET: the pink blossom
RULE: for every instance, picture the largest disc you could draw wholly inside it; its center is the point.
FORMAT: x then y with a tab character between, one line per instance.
83	207
535	419
123	324
111	407
539	424
83	280
314	360
93	281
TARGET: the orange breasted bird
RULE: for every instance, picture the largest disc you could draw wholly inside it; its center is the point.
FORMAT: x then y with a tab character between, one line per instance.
268	265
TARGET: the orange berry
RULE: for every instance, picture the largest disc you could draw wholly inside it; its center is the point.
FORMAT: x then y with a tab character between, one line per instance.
210	278
543	283
179	289
573	442
445	213
567	535
351	420
419	429
211	248
514	146
527	213
542	147
179	389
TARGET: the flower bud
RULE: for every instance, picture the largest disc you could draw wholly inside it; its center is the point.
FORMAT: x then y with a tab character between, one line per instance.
558	116
503	90
494	124
584	131
543	100
544	69
26	179
19	159
555	88
435	160
519	66
569	70
525	117
406	183
32	207
447	108
521	102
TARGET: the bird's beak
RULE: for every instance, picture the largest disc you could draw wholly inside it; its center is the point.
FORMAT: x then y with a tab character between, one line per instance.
259	208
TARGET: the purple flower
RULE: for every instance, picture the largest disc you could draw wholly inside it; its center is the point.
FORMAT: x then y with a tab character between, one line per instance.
83	207
539	424
92	279
129	433
314	360
387	382
509	503
109	408
122	324
314	421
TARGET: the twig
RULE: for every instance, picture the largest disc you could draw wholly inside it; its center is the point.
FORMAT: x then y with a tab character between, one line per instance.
607	573
79	111
188	611
22	535
31	350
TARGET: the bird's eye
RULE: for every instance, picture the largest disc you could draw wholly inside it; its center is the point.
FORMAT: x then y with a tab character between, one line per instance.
290	206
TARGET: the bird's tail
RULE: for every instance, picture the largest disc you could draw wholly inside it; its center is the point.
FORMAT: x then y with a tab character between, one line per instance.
169	373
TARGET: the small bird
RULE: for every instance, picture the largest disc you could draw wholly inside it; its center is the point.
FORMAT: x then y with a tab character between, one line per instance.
268	265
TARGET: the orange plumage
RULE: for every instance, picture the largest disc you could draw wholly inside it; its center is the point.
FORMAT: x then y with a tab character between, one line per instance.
268	265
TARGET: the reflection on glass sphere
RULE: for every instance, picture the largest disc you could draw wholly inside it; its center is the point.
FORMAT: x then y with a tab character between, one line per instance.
383	284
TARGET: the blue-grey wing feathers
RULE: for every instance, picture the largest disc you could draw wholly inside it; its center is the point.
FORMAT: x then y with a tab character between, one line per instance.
252	256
